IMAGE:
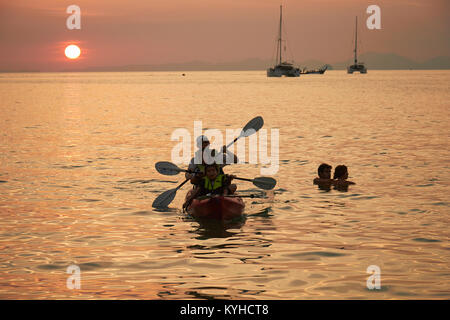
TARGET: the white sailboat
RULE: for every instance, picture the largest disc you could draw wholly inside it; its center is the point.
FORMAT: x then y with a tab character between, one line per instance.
282	68
356	67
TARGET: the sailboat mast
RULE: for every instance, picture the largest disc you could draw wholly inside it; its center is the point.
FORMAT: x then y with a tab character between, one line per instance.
356	38
279	37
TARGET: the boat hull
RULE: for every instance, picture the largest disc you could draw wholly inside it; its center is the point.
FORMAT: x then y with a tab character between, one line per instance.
315	71
279	71
219	208
357	68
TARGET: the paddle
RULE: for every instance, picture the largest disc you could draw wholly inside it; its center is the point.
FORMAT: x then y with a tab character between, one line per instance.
165	198
168	168
265	183
250	128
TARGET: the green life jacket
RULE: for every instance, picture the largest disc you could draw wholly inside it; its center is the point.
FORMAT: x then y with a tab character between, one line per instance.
214	185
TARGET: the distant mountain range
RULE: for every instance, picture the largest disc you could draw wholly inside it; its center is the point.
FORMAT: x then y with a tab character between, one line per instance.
391	61
373	61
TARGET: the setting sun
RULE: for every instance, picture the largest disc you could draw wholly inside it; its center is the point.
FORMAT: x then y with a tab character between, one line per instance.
72	51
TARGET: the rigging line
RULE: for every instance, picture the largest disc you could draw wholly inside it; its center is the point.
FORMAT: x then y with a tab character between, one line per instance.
285	38
360	42
352	43
286	42
275	48
273	53
291	53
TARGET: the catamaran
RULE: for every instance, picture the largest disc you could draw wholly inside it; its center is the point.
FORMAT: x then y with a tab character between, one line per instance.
356	67
283	68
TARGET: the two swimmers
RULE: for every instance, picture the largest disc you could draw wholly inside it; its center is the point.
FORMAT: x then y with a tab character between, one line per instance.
339	180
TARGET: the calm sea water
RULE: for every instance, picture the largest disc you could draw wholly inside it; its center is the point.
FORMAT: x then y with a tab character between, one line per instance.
77	180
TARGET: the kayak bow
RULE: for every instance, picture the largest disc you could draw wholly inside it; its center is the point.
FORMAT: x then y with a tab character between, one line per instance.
218	207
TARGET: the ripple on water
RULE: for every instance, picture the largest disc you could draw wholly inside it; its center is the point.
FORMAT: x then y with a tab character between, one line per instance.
405	294
297	283
129	246
262	213
141	213
382	289
51	266
71	167
212	296
352	195
301	162
326	254
426	240
418	210
94	265
167	209
439	204
366	198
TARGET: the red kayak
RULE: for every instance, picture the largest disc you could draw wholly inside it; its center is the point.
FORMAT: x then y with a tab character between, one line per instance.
217	207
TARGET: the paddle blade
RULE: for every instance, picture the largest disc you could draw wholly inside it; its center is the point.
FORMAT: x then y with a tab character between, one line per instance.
164	199
265	183
167	168
252	126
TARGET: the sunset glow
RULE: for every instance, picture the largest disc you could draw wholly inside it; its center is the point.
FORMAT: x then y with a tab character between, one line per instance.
149	33
72	51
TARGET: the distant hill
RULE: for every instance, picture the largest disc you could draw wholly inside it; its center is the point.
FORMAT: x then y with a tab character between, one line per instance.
391	61
373	61
437	63
247	64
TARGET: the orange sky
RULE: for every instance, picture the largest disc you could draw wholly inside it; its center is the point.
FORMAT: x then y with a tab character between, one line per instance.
33	34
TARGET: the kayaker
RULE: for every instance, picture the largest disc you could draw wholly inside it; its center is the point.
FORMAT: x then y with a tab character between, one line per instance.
214	183
340	178
203	144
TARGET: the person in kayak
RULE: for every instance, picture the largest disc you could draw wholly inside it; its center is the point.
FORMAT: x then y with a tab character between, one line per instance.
213	183
340	178
324	180
198	169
